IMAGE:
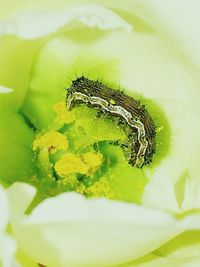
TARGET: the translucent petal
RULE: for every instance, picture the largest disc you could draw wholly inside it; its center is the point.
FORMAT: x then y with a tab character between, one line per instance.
16	57
192	195
160	193
185	246
62	230
182	26
7	251
35	24
20	195
7	244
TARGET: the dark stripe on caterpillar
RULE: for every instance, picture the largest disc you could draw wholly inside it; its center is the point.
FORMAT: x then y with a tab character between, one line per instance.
142	134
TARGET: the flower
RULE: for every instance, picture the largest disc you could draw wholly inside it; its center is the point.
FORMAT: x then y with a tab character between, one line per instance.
127	41
7	244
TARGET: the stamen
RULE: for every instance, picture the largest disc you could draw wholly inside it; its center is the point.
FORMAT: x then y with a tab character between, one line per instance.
70	163
53	141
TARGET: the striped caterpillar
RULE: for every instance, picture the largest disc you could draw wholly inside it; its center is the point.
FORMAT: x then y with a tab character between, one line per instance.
141	133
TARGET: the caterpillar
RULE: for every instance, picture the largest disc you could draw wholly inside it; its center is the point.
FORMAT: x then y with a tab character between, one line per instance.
141	135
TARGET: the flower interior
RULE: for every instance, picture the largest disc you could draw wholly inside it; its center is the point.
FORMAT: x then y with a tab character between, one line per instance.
75	150
80	152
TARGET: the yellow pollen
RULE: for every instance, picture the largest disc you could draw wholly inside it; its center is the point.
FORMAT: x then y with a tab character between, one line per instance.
93	160
69	180
53	141
81	189
63	115
70	163
101	189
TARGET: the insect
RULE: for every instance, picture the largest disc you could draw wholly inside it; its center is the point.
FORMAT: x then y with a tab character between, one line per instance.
141	134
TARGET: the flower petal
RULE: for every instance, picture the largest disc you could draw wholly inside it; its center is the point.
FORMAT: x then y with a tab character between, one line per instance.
160	193
182	27
185	246
7	244
7	251
192	195
16	57
35	24
20	195
62	230
161	261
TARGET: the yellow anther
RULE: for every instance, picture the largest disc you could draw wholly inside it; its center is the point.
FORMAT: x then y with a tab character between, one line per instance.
63	115
70	163
93	160
53	141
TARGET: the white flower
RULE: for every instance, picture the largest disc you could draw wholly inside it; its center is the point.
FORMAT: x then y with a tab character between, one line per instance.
70	230
156	51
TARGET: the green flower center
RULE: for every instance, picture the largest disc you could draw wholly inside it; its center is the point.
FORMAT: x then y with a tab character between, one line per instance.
78	153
